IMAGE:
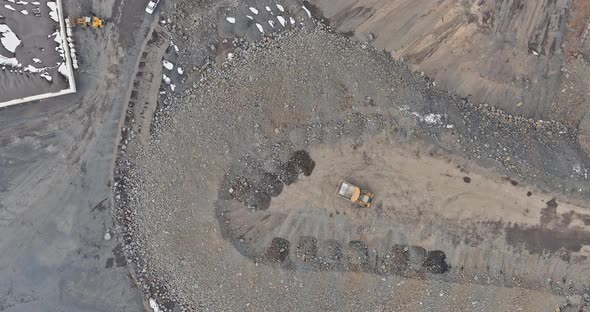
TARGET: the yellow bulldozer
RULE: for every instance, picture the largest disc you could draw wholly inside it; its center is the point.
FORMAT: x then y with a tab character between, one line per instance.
354	194
86	21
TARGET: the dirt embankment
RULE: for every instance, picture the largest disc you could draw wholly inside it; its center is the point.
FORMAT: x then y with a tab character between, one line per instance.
505	53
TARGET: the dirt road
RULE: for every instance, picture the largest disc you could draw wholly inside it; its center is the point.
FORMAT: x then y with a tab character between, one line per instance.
55	191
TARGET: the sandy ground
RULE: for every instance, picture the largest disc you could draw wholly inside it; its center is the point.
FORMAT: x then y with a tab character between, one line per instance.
483	50
60	154
33	31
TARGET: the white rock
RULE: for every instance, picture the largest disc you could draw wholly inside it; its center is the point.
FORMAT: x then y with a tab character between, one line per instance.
281	20
24	12
231	20
36	60
292	20
107	236
280	7
166	79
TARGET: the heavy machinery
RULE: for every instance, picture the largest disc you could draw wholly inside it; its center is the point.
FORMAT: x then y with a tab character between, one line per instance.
86	21
354	194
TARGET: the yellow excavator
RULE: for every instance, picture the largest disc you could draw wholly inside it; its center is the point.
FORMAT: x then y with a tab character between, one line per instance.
354	194
86	21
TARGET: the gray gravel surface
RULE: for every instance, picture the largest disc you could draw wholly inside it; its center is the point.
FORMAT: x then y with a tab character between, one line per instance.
303	88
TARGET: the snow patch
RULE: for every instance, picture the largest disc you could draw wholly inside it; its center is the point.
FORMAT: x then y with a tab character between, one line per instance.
12	62
268	8
46	76
167	65
8	39
22	2
176	49
292	20
254	10
281	20
250	17
8	6
272	24
154	305
306	11
35	3
53	13
62	69
166	79
172	87
36	60
34	70
260	28
430	118
231	20
280	7
179	70
24	12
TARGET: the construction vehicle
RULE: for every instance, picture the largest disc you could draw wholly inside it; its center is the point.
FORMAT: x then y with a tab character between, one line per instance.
86	21
354	194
